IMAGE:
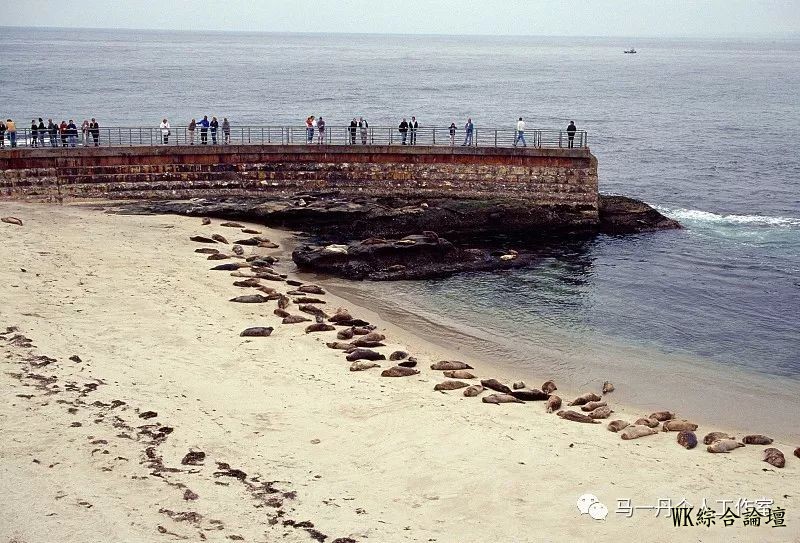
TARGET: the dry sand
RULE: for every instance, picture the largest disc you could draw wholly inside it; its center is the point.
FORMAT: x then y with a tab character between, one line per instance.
357	455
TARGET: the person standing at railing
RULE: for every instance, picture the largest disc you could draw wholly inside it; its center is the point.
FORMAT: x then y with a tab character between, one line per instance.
226	131
85	132
469	128
353	130
2	134
72	131
94	131
192	127
52	130
34	136
320	131
165	131
11	129
363	125
453	133
214	126
41	129
62	131
403	129
413	125
571	129
519	135
204	130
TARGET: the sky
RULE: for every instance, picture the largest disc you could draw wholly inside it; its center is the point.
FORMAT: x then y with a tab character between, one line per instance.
713	18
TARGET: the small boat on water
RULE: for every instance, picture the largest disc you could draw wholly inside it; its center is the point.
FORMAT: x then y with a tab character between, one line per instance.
630	51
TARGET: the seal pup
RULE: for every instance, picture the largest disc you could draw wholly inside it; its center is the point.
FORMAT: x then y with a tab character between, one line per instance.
687	439
198	239
586	398
311	289
529	395
450	385
249	282
574	416
319	327
775	457
636	431
715	436
339	345
661	416
497	399
678	426
400	355
282	313
494	384
294	319
553	403
757	439
399	371
591	406
232	225
450	365
608	386
617	425
206	250
650	423
257	331
458	374
410	363
284	301
347	333
517	385
364	354
474	390
219	238
602	412
724	446
549	387
206	221
250	299
361	366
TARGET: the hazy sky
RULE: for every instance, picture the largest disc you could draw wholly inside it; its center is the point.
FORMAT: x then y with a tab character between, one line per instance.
527	17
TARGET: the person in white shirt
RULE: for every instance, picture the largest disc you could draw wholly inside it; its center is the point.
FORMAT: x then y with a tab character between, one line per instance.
520	134
164	126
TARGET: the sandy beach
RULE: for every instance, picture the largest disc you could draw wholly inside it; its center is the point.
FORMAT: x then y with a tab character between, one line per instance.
135	358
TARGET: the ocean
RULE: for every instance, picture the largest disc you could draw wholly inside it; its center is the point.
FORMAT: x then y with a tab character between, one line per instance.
704	130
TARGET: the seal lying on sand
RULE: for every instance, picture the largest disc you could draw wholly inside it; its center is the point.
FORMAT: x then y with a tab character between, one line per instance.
617	425
251	282
553	404
229	267
219	238
341	315
347	333
458	374
401	355
207	250
608	387
399	371
232	225
517	385
775	457
530	395
757	439
237	250
636	431
494	384
198	239
319	327
724	446
473	390
284	301
257	331
500	398
312	310
574	416
797	452
307	300
450	385
410	363
602	412
450	365
294	319
650	423
218	256
661	416
687	439
585	398
715	436
250	299
549	387
250	231
364	354
679	426
361	366
311	289
206	221
282	313
340	346
591	406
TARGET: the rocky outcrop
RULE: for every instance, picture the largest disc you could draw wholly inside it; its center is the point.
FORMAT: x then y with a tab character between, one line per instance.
623	215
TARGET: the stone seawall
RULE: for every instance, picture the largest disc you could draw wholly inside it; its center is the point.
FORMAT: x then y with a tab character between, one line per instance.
562	182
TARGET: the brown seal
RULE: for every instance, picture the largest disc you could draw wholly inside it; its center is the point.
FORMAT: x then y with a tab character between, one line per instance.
361	366
282	313
549	387
294	319
617	425
232	225
399	371
206	250
553	403
574	416
678	426
410	363
450	385
715	436
661	416
283	301
458	374
585	398
364	354
608	386
528	395
237	250
341	314
311	289
650	423
602	412
399	355
636	431
500	398
250	282
687	439
347	333
473	390
757	439
250	231
307	300
218	256
517	385
250	299
340	346
257	331
797	452
450	365
494	384
313	310
724	446
269	291
201	239
206	221
219	238
229	267
775	457
363	330
591	406
319	327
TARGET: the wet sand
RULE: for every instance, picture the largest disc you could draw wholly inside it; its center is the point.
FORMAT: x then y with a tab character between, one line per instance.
297	447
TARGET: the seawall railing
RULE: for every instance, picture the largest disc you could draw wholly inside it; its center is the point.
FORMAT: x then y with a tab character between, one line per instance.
123	136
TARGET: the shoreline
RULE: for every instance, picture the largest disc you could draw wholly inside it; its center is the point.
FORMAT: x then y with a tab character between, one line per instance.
395	458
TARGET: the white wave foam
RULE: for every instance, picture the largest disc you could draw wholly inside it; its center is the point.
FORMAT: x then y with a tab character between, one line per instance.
696	215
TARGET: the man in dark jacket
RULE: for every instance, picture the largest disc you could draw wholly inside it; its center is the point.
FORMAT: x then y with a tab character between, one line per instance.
413	125
214	126
41	130
52	130
34	134
72	132
571	129
94	130
353	129
204	124
403	129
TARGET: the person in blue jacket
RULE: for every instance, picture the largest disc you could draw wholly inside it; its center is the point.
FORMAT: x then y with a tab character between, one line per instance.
204	124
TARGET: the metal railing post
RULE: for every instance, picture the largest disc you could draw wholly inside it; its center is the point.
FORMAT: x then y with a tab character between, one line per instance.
559	138
391	134
434	135
495	138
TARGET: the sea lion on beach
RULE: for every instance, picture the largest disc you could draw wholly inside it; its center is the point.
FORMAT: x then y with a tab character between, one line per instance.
530	395
617	425
553	403
650	423
220	238
229	267
341	314
517	385
797	452
549	387
473	390
237	250
602	412
250	231
724	446
373	336
636	431
206	221
458	374
313	310
687	439
775	457
319	327
246	275
249	282
399	371
269	291
249	241
361	366
678	426
268	245
364	354
250	299
608	387
757	439
574	416
284	301
450	385
217	256
232	225
591	406
257	331
294	319
410	363
399	355
354	322
339	345
661	416
293	282
363	330
347	333
585	398
282	313
360	342
497	399
450	365
494	384
715	436
311	289
206	250
305	300
201	239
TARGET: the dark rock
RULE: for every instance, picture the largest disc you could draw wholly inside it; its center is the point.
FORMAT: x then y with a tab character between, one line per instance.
623	215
